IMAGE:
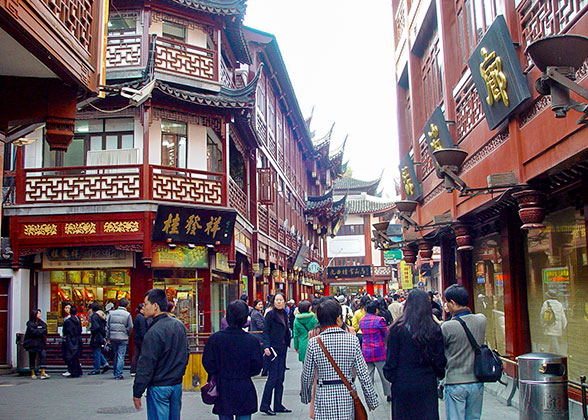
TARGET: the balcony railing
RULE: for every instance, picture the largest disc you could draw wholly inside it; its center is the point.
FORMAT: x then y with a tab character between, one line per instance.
119	183
238	198
179	58
123	51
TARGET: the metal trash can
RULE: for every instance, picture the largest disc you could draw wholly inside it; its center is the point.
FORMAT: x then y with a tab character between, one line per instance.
543	387
22	356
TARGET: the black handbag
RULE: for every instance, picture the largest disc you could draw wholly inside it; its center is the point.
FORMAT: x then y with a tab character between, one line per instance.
209	392
487	363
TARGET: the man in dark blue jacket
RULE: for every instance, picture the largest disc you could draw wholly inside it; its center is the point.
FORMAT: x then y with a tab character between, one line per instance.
163	360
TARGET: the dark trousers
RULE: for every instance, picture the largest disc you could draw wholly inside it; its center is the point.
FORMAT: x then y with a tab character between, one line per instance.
266	365
74	367
33	359
275	383
135	359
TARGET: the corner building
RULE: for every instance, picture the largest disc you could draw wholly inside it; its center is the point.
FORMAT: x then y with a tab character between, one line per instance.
510	272
196	184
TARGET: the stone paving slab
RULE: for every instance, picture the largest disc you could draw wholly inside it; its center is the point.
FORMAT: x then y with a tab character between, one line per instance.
102	397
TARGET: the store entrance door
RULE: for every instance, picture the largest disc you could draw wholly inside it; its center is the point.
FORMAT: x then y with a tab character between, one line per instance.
4	321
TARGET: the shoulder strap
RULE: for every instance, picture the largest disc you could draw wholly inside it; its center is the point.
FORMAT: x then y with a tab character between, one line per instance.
471	338
337	369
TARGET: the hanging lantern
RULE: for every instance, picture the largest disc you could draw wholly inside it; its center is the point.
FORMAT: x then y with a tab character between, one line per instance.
409	253
425	250
531	209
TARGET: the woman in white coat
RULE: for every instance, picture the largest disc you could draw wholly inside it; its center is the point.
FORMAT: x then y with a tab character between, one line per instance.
333	401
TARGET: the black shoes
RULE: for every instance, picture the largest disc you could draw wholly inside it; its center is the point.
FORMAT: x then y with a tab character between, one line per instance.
283	410
269	412
105	368
94	373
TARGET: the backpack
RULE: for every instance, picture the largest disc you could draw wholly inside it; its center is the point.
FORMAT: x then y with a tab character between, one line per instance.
548	315
487	363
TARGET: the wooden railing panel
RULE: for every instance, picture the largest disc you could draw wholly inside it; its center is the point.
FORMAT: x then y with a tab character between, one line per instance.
185	59
123	51
186	185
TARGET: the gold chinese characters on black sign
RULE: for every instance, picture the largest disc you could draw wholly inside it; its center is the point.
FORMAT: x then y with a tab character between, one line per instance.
349	272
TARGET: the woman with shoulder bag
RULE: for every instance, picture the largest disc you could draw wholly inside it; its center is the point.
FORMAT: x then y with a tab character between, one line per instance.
334	400
34	343
98	339
415	358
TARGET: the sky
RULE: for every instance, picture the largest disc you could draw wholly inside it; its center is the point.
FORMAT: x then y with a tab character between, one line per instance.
339	56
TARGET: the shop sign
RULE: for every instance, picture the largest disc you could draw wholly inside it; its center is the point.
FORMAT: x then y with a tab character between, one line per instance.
556	275
406	275
301	257
244	284
256	267
179	257
192	225
408	179
90	257
349	272
392	256
436	133
497	74
313	267
222	263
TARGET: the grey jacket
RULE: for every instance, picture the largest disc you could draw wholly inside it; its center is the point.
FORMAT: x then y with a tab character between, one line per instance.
119	325
459	351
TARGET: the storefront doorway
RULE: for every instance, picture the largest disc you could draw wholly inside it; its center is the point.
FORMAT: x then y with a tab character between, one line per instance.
222	292
182	286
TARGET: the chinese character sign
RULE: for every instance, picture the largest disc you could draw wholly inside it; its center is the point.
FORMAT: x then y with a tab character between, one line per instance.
497	74
408	179
349	272
193	225
436	133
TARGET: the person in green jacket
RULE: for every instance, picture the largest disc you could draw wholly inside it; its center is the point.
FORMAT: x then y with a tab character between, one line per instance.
303	323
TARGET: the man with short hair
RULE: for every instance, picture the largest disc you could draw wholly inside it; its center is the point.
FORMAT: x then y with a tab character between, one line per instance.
163	361
464	393
395	307
119	325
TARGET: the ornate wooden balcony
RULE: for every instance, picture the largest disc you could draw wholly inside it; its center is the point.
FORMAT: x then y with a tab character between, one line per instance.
178	58
119	183
123	51
238	199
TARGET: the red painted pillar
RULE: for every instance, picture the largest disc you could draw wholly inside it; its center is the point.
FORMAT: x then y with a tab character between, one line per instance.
369	287
384	291
326	289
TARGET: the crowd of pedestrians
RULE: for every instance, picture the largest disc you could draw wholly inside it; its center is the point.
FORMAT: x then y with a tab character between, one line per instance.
415	342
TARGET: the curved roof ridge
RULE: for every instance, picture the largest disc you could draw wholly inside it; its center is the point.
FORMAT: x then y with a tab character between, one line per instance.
325	140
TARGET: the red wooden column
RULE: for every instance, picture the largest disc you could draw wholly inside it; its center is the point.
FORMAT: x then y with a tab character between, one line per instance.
447	263
141	282
204	299
326	289
466	270
369	288
516	315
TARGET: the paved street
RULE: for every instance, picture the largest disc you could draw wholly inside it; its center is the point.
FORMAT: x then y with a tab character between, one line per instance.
92	397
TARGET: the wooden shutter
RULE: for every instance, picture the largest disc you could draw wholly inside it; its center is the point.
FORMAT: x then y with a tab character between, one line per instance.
266	186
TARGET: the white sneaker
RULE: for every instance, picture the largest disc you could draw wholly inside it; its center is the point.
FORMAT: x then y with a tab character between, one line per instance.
133	374
66	374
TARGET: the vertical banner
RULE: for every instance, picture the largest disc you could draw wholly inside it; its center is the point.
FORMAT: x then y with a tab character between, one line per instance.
408	179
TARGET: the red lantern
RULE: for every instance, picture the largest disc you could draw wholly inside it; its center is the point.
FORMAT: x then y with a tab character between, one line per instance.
463	238
531	210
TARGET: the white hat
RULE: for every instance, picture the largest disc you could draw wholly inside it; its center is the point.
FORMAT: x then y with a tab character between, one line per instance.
341	299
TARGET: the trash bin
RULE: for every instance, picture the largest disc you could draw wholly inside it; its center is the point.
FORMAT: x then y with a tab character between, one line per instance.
543	387
22	356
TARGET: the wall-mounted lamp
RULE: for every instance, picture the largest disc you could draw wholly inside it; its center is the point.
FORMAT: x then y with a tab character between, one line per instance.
405	209
558	57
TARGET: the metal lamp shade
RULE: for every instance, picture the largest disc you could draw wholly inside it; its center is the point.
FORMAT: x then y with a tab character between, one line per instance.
559	51
381	226
450	157
406	206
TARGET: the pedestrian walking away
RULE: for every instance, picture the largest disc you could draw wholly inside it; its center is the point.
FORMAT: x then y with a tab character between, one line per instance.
464	393
373	348
72	343
232	356
333	401
305	321
119	325
34	342
98	339
414	360
163	360
140	328
276	340
358	315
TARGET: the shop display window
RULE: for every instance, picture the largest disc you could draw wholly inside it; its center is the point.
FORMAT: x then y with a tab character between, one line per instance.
557	288
489	289
81	288
182	287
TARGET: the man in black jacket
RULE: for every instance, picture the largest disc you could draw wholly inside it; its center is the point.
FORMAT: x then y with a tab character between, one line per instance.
163	360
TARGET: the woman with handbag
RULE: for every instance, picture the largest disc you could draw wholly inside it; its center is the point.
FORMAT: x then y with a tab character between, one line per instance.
231	357
415	358
34	343
333	356
98	339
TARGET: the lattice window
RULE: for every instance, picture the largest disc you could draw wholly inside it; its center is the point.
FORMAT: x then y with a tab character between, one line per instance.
468	109
432	71
426	159
77	17
473	19
266	186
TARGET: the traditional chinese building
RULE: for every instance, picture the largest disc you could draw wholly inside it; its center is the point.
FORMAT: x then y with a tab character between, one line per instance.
50	60
353	262
517	238
190	175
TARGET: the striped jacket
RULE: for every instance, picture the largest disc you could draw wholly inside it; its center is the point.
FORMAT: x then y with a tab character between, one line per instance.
333	401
